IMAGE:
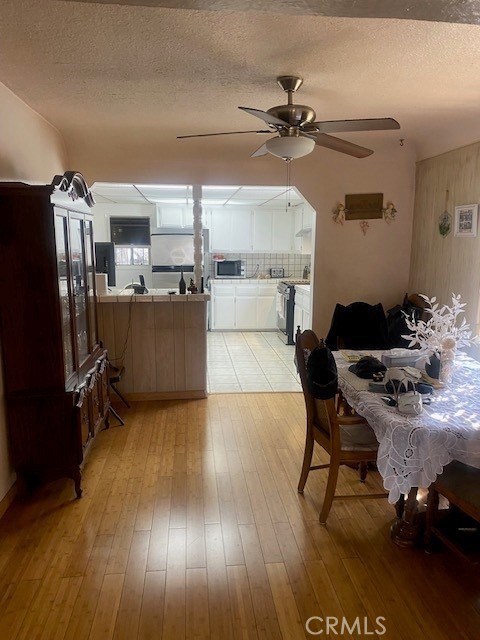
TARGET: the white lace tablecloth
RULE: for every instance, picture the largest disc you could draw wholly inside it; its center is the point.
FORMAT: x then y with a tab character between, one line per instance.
414	449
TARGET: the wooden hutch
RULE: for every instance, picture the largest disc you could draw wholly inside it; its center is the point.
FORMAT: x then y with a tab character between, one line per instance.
55	368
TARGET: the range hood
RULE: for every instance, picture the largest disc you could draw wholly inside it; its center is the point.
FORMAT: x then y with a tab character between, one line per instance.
304	232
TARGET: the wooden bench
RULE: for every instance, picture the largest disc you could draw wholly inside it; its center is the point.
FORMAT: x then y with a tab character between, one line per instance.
458	527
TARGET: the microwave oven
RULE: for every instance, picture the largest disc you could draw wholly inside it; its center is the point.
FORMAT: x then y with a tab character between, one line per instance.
230	269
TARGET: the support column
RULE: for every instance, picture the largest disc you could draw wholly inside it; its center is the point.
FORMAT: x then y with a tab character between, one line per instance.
197	235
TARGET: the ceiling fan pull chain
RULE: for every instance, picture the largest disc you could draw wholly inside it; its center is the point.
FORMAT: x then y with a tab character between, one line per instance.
287	194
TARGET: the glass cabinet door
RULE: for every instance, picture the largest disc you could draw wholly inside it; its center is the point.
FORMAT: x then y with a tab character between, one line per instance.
64	290
79	286
92	309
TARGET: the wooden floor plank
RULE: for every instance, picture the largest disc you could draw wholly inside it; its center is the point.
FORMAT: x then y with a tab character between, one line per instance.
198	618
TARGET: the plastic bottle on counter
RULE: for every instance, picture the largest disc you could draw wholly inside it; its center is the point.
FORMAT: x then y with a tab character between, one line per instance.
182	286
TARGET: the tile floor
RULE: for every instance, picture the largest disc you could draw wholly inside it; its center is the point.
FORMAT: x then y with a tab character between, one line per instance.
250	361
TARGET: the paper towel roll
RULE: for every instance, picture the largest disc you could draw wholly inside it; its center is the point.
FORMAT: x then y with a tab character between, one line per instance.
101	282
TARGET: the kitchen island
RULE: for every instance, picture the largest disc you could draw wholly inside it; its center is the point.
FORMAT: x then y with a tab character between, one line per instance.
160	339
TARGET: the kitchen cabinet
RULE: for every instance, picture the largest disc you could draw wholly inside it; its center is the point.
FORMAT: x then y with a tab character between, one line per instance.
302	308
53	361
230	230
263	231
222	306
303	229
174	217
244	306
267	306
273	231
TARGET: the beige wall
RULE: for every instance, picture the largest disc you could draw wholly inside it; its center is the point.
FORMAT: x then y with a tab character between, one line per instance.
32	151
442	266
347	265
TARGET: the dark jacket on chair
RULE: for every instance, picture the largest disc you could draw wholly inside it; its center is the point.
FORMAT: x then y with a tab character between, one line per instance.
358	326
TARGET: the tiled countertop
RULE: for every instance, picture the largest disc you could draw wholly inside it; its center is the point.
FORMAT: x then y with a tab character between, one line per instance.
153	295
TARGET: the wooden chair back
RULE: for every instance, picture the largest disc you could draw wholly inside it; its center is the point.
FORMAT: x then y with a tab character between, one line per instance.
321	414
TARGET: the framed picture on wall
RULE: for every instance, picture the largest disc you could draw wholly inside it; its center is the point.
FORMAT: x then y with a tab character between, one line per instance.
466	220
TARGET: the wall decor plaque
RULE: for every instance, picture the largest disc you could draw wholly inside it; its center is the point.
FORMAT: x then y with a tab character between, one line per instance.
363	206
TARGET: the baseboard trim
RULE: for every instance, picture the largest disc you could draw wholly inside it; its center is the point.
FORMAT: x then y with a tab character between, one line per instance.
8	498
165	395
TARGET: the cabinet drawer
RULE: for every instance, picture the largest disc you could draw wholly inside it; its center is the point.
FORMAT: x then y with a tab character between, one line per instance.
223	291
246	290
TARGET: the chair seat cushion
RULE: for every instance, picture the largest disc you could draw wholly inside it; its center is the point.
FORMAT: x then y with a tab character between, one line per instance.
358	437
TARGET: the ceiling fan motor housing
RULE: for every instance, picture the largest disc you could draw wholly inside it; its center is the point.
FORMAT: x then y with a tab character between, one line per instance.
295	114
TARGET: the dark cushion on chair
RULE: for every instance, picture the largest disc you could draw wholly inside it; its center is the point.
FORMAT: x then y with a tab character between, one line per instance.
358	326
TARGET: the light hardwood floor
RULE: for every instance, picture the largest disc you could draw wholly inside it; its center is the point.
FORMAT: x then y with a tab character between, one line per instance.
190	526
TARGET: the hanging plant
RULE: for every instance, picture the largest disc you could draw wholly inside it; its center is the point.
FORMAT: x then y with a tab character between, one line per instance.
445	219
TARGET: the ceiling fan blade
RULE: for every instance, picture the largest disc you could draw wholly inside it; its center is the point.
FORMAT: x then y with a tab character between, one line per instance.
337	144
361	124
224	133
261	151
266	117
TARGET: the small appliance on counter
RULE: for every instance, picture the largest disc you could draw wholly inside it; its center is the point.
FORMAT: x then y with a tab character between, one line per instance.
230	269
277	272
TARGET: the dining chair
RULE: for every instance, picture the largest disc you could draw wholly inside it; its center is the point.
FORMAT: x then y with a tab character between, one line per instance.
346	439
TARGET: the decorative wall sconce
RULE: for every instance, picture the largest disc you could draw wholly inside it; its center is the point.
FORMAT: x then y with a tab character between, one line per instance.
389	212
339	214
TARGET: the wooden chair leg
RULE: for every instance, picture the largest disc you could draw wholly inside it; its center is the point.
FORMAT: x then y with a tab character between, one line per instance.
363	470
307	462
330	490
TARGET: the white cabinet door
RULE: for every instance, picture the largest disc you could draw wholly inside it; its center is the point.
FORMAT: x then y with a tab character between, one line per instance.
220	230
223	307
262	230
246	306
241	231
307	320
231	230
297	318
282	231
174	217
266	306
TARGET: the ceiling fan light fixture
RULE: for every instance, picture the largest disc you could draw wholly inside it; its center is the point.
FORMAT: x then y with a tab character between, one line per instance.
290	147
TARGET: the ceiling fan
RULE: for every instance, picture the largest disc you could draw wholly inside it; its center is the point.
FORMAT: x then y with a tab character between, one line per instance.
298	133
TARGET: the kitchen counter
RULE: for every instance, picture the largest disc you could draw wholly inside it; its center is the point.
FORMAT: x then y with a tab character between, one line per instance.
160	339
241	281
153	295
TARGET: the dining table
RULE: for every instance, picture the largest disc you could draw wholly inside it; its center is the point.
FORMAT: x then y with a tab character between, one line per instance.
414	449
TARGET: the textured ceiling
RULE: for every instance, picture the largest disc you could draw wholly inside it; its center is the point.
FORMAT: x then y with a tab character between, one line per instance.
133	74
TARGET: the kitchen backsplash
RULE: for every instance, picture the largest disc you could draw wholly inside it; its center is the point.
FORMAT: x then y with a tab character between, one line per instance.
293	264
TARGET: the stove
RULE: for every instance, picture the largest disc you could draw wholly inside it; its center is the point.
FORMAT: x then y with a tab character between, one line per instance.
285	307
